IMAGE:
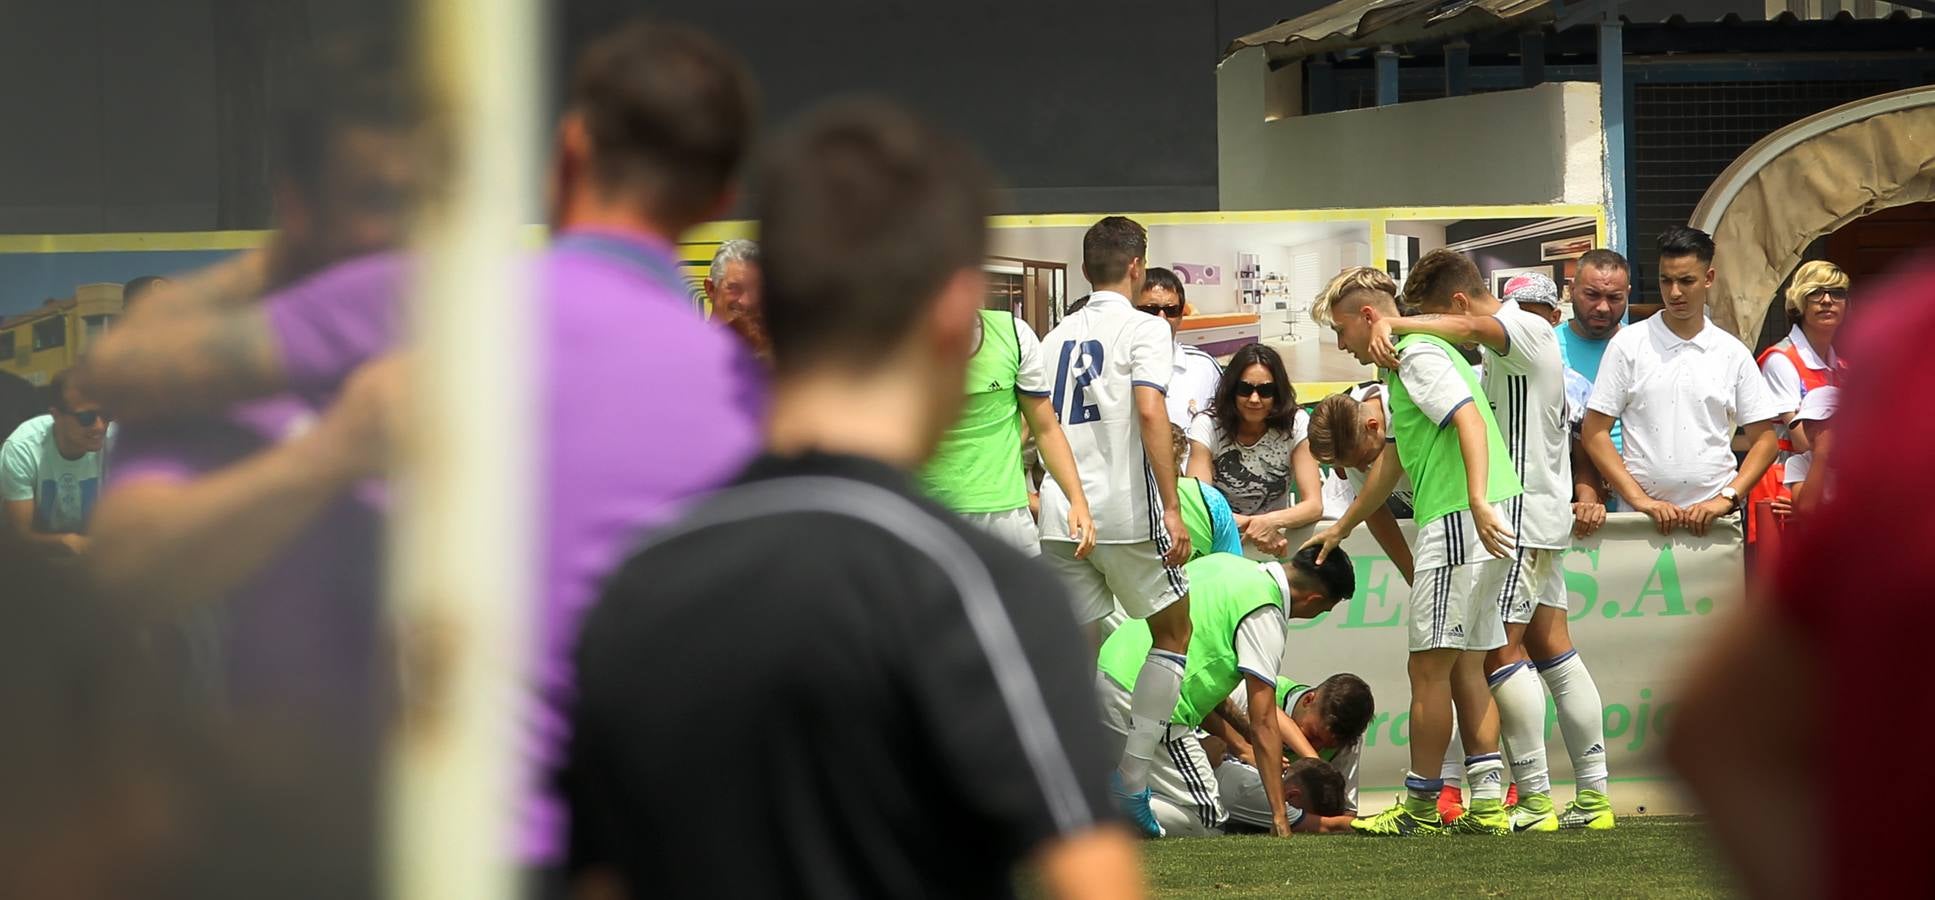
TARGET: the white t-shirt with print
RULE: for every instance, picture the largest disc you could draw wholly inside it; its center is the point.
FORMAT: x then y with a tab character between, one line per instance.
1256	478
1680	402
1527	388
1093	361
63	490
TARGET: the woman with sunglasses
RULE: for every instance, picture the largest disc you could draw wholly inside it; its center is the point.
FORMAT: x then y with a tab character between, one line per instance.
1804	361
1251	446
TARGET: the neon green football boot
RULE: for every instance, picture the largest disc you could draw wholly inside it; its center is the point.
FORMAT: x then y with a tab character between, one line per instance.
1533	813
1401	820
1486	817
1592	811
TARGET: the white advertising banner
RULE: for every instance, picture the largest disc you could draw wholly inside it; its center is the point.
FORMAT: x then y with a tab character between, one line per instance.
1640	604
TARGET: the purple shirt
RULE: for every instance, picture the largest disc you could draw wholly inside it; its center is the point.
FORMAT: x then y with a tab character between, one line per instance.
300	637
644	407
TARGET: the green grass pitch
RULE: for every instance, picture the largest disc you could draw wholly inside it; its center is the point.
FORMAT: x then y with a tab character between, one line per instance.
1653	856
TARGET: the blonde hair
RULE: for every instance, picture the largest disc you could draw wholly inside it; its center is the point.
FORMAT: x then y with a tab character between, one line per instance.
1814	275
1356	278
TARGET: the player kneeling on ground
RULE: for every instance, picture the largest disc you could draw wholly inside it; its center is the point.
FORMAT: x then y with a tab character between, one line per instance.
1332	716
1239	614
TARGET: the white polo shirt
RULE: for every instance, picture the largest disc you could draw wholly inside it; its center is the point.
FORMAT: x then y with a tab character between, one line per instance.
1094	360
1192	384
1681	401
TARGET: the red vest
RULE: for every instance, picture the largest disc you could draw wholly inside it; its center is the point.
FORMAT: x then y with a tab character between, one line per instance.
1810	378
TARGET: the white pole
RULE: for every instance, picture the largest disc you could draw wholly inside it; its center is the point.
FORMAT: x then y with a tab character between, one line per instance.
462	542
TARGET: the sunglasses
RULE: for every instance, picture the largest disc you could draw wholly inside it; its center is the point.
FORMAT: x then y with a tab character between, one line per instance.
1267	390
1171	312
89	418
1834	297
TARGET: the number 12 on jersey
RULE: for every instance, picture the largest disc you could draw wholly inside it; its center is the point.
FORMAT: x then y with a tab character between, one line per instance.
1080	363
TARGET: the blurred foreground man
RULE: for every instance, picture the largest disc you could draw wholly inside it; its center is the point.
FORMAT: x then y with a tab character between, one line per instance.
657	122
922	721
1830	653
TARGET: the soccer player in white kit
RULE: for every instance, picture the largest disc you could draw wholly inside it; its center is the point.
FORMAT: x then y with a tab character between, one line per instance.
1110	366
1525	380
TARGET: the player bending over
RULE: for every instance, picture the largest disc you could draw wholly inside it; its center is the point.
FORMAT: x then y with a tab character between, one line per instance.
1449	445
1332	716
1525	379
1240	611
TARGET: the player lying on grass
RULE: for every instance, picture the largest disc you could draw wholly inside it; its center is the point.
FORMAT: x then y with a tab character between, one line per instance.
1332	717
1239	613
1526	382
1449	444
1313	794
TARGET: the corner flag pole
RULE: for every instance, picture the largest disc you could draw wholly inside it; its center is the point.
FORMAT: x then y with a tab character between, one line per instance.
461	545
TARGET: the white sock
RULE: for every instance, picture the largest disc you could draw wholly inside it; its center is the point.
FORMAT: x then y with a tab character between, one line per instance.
1486	775
1581	717
1453	770
1521	726
1157	688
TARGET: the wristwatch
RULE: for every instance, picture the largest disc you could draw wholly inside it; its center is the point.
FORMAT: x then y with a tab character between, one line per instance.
1731	496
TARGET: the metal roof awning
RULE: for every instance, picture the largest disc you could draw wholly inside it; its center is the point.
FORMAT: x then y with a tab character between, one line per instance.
1361	24
1354	24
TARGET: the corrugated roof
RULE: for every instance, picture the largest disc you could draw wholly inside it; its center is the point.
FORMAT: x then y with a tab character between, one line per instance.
1357	24
1350	24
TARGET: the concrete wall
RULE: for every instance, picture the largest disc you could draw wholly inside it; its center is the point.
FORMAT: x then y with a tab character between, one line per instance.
1538	145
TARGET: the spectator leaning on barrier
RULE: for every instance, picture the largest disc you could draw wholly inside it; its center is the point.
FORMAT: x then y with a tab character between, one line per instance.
51	471
1193	381
1251	443
732	285
1802	362
1682	387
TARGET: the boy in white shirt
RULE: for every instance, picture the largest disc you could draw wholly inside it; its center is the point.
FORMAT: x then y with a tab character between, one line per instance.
1109	366
1680	386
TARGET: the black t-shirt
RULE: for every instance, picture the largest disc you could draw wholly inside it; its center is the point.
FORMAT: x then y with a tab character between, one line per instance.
820	684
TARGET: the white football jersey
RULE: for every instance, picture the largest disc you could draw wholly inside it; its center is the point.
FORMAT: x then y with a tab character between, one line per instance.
1094	360
1526	386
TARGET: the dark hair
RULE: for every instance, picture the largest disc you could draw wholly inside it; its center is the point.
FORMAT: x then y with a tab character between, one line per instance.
347	82
1682	240
1109	246
1160	277
138	287
1336	576
1438	275
1323	787
865	212
1346	706
1223	406
670	114
1603	258
1075	305
57	390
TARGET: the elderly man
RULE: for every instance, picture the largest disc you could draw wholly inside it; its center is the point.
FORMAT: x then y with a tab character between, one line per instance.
732	288
1681	386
